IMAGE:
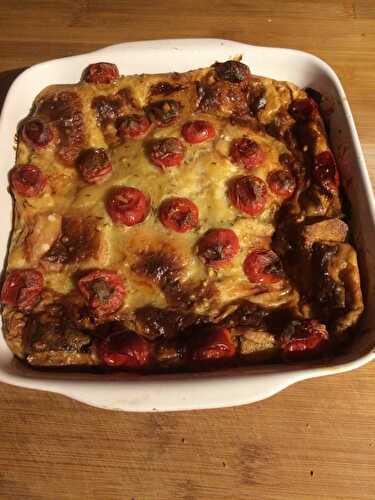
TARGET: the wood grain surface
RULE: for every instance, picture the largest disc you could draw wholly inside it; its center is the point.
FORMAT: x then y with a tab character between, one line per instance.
315	440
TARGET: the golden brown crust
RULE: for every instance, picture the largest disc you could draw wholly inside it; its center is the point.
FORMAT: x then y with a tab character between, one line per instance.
67	229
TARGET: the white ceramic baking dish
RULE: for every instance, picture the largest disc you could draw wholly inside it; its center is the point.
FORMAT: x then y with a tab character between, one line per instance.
214	389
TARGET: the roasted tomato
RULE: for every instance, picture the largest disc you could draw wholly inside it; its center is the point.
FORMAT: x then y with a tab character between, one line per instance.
263	266
302	109
36	133
218	247
128	205
103	290
232	71
101	72
247	153
22	288
325	172
133	127
124	350
27	180
282	183
179	214
303	339
94	165
249	194
213	345
164	113
198	131
167	152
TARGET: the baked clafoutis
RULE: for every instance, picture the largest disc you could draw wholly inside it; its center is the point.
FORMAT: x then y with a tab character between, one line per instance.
177	221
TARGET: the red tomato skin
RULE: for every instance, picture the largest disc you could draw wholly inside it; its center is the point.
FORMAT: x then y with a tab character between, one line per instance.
36	133
133	127
22	288
214	345
218	247
304	339
124	350
101	72
255	264
247	153
167	152
198	131
94	165
248	194
282	183
128	206
27	180
106	283
179	214
325	172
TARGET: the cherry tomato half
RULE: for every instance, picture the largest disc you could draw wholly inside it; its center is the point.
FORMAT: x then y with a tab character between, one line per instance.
101	72
133	127
124	350
249	194
27	180
282	183
103	290
303	339
22	288
263	266
325	172
198	131
167	152
93	165
218	247
247	153
36	133
179	214
214	345
128	206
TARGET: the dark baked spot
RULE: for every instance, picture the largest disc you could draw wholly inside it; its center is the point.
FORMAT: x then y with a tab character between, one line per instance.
165	88
207	97
106	108
223	96
257	98
153	322
232	71
78	241
164	112
53	330
161	267
246	314
306	137
64	111
327	292
314	94
128	100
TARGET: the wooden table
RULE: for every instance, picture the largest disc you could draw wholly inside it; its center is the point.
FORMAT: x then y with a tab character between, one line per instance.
315	440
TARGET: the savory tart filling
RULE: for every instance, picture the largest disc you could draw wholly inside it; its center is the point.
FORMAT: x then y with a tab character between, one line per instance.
177	221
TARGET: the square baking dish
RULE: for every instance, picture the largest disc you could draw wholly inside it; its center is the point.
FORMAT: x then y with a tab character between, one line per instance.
231	387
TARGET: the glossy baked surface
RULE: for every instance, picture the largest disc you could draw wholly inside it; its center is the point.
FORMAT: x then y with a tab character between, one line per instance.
285	285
